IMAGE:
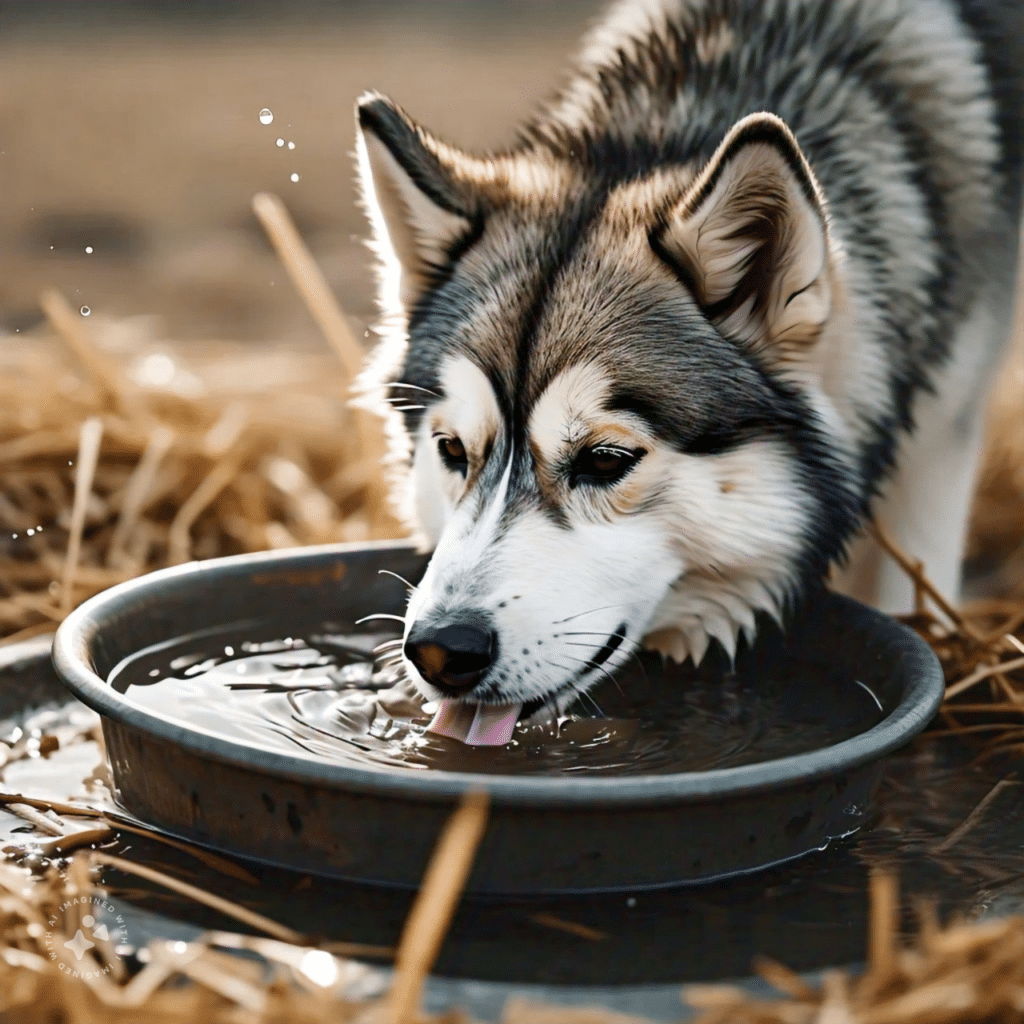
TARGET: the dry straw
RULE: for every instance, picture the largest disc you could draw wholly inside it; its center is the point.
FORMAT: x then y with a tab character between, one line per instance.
132	454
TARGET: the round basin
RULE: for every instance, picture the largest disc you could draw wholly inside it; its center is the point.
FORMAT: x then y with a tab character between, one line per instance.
547	833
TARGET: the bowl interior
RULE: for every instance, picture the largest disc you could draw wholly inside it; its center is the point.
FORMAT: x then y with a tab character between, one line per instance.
833	640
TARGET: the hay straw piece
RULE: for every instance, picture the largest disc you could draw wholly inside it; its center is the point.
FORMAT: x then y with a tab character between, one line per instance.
26	633
916	573
179	539
70	328
34	817
883	927
50	805
518	1010
288	953
974	817
90	436
559	924
308	279
213	860
782	978
209	899
75	840
190	964
137	490
226	431
325	309
981	674
32	445
435	904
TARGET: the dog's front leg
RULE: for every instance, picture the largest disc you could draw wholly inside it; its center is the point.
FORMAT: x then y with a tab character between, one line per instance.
925	506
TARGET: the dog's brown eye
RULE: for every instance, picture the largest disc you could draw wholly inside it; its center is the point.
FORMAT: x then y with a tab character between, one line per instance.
453	454
602	465
606	461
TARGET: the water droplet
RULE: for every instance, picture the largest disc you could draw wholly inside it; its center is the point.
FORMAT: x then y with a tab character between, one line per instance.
266	116
291	145
88	248
14	536
229	651
320	967
86	311
280	142
295	177
631	902
30	532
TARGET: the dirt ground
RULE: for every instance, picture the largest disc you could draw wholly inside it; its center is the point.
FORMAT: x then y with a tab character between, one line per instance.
143	141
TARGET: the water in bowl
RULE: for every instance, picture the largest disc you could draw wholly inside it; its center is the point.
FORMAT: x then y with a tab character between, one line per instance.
325	693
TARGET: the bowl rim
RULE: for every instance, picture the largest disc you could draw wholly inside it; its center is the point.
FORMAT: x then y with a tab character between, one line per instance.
71	658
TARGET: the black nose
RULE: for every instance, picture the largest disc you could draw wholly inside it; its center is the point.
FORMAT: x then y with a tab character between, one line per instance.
454	657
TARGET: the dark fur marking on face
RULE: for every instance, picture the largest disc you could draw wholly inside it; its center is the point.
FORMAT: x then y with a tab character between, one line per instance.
388	124
437	275
611	645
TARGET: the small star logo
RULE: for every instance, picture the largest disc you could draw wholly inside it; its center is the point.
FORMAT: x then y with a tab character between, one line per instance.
79	944
98	932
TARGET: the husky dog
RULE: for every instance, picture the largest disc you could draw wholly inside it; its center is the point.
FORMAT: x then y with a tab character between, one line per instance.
742	283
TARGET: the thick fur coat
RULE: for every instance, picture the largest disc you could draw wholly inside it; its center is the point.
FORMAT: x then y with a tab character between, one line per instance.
742	283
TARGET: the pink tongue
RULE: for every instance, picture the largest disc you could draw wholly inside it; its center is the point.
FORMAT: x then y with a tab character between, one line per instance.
478	725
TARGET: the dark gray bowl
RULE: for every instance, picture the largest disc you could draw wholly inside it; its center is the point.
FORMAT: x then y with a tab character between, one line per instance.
546	834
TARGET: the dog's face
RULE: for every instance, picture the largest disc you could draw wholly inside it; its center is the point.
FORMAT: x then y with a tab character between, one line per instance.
613	414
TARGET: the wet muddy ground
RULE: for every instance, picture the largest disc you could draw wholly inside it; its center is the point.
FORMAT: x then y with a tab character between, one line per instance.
810	914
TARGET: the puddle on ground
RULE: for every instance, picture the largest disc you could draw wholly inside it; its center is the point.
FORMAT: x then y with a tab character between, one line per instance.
810	914
323	695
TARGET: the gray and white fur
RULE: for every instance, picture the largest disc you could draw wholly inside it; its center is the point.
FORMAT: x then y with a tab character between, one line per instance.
742	283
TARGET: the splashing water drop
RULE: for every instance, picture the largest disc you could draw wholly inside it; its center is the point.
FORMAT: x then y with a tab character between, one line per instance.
266	116
291	145
280	142
85	311
295	177
88	248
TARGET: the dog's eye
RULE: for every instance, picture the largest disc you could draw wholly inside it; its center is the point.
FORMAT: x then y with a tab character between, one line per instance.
453	454
602	465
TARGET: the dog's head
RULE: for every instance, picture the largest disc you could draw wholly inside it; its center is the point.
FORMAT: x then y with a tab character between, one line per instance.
610	399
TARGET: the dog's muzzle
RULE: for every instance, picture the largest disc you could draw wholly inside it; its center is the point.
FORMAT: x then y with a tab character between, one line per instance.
454	658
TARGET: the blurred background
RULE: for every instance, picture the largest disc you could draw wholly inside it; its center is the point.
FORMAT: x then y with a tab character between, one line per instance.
131	146
133	128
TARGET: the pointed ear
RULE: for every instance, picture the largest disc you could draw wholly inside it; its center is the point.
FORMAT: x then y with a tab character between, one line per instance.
751	242
420	195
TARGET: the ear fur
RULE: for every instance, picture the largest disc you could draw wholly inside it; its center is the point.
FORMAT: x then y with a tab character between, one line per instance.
419	194
750	239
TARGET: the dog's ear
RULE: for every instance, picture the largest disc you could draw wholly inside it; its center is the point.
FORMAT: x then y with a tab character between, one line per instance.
750	240
422	196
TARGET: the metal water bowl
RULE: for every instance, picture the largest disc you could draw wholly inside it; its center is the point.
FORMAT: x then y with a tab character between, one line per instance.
546	833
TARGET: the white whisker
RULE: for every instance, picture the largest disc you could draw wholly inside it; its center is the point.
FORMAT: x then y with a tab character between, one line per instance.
401	579
414	387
